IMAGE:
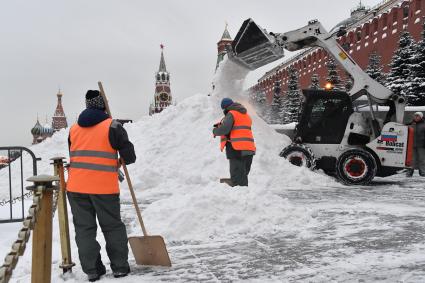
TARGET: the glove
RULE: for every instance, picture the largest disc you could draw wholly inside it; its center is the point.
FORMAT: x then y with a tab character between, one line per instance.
120	176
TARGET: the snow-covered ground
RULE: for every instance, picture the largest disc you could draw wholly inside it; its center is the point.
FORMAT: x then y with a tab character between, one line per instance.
289	225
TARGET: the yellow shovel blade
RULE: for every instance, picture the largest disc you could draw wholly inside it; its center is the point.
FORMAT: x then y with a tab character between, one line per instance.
150	250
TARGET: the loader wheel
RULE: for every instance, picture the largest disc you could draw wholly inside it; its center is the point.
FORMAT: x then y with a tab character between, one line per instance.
299	155
356	167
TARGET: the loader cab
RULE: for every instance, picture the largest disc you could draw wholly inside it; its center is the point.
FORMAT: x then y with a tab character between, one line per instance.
324	116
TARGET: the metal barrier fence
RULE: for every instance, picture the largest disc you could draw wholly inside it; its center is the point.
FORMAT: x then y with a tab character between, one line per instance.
15	154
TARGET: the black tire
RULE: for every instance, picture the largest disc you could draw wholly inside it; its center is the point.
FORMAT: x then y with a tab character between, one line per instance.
299	155
356	167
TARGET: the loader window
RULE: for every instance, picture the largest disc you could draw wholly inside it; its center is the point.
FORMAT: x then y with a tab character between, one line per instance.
325	120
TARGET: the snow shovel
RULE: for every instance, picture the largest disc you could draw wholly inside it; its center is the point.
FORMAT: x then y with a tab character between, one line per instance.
147	250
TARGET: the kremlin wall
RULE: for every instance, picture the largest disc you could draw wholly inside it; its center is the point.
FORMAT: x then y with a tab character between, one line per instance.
368	30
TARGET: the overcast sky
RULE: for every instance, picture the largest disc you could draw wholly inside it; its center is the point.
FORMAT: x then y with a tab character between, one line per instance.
73	44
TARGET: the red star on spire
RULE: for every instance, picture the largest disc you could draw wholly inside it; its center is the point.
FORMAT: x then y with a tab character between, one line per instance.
162	46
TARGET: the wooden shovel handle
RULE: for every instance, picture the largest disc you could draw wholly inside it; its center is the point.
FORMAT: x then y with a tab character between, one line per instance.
133	196
105	100
127	176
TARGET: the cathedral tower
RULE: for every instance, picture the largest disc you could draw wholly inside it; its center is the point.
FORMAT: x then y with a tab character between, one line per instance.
59	118
162	96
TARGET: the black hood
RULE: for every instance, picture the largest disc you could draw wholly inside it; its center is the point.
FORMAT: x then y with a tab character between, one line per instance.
236	107
91	117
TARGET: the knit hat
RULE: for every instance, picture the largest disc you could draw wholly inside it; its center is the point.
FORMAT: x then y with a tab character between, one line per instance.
94	100
420	114
226	102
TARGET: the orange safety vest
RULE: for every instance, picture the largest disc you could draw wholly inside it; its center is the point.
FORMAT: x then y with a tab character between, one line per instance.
94	163
241	135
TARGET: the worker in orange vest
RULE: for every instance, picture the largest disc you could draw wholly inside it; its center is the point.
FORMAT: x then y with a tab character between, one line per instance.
92	187
236	136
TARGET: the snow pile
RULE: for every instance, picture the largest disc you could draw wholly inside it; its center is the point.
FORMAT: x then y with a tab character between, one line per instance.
177	173
179	164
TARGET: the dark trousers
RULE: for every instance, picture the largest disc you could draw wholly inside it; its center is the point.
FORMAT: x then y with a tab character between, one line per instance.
85	208
418	161
239	170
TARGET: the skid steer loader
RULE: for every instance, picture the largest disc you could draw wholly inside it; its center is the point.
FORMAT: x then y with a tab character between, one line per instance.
330	135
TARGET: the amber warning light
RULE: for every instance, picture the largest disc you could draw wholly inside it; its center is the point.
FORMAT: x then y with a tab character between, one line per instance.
328	86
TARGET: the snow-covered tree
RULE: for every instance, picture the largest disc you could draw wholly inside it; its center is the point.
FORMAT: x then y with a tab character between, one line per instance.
267	116
348	83
276	106
417	74
374	68
260	103
293	106
283	111
333	76
315	82
398	79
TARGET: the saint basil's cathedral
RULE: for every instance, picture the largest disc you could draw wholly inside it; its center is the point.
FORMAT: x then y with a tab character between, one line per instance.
41	132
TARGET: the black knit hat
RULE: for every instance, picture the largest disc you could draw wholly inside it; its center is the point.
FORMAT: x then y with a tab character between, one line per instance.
94	100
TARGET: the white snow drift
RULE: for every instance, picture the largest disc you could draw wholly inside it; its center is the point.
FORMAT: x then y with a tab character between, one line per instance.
177	172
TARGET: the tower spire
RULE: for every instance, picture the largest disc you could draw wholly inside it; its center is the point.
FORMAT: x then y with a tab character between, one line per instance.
225	40
162	96
162	67
226	34
59	119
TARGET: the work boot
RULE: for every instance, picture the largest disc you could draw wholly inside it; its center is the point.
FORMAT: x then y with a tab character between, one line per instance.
95	276
409	173
101	270
227	181
119	274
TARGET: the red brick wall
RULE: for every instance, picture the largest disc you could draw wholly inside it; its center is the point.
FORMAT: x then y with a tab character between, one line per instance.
221	45
380	34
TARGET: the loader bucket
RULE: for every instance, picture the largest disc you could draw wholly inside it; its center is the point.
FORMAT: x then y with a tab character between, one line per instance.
253	48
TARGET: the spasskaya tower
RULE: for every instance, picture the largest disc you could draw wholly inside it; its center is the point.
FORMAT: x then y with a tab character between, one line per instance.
162	97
